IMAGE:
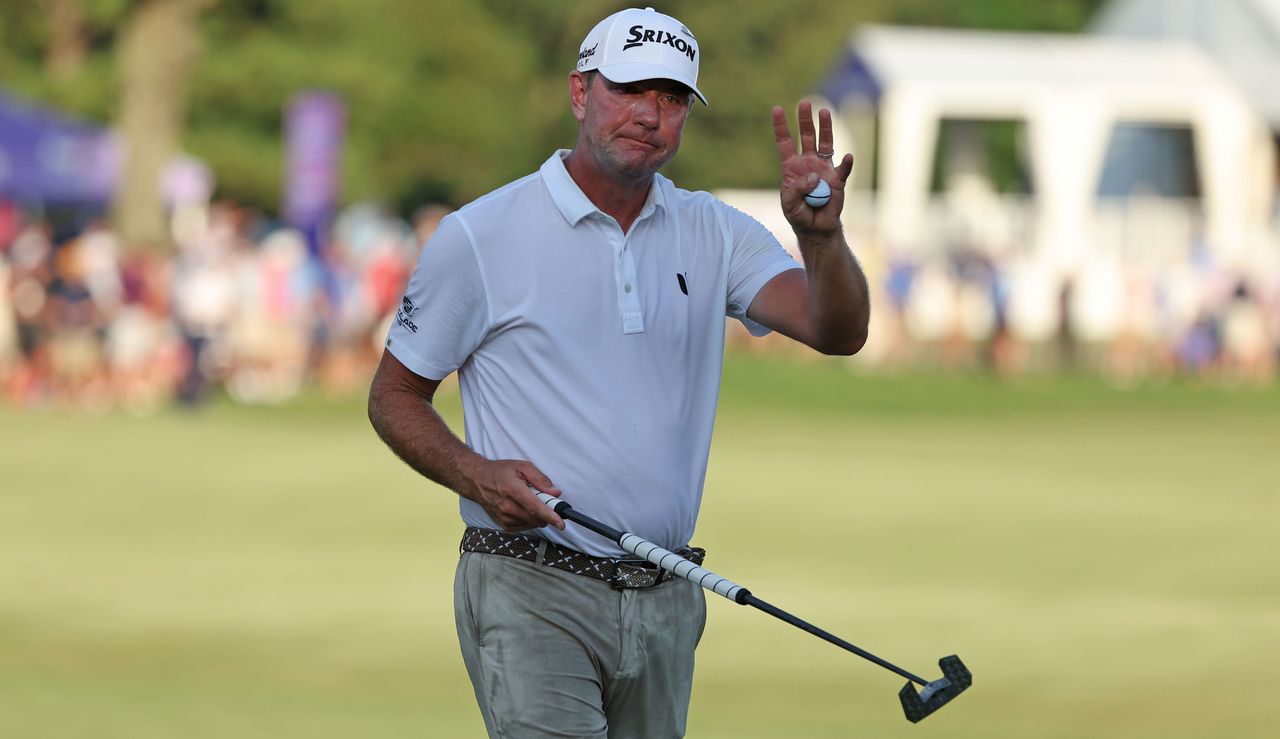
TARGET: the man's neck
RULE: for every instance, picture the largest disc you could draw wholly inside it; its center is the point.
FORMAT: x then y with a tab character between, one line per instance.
621	198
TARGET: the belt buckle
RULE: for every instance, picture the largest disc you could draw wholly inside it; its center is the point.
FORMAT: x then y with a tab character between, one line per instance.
639	564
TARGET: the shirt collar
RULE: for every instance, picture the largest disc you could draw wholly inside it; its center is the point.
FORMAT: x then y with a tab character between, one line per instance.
574	205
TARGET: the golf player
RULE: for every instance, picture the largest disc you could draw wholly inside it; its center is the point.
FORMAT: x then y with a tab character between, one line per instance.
583	308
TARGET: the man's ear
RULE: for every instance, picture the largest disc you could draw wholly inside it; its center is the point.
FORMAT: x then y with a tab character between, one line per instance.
578	83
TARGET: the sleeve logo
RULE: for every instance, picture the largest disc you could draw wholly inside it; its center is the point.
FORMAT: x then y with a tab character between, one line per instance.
403	315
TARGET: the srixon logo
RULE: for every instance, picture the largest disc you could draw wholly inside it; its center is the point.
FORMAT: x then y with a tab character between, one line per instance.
641	35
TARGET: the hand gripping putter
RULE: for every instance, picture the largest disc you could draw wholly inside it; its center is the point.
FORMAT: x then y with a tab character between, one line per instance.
933	694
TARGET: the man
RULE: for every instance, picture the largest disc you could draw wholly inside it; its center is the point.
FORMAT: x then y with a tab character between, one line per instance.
583	308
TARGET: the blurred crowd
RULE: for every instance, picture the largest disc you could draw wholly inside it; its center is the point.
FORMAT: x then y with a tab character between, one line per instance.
241	306
246	307
1125	319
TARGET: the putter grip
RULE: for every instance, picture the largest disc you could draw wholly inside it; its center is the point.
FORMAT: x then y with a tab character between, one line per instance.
551	500
664	558
679	566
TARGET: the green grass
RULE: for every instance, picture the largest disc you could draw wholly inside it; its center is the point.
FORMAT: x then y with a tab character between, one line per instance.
1105	562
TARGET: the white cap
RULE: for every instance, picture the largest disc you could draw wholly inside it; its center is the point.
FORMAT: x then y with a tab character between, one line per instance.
633	45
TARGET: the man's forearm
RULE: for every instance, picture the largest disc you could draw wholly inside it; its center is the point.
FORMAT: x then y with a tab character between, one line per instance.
401	412
414	430
837	299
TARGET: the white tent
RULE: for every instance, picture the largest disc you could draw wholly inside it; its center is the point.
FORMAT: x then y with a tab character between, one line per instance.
1242	36
1071	91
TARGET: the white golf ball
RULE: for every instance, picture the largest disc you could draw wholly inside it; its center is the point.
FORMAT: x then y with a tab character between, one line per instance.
819	196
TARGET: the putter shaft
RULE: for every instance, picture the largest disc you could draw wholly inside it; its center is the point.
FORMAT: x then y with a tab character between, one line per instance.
735	593
800	623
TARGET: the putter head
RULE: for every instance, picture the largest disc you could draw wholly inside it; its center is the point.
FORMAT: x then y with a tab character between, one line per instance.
955	679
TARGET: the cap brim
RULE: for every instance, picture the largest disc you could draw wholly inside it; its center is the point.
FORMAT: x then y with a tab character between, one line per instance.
636	71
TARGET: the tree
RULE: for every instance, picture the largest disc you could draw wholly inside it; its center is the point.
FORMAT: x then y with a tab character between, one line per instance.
447	99
68	39
158	47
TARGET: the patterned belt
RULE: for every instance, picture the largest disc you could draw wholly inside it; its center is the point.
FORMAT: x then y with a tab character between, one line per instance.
624	573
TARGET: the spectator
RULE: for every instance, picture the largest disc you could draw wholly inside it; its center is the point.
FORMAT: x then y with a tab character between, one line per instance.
205	300
246	307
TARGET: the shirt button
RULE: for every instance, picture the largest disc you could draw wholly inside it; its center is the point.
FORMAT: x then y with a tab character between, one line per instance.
626	288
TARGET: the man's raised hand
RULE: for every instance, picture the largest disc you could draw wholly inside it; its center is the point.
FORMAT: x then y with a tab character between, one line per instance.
802	170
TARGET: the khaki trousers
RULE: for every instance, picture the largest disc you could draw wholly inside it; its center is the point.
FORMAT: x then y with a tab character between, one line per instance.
553	654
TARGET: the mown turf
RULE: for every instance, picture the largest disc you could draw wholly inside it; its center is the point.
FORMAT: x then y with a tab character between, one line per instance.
1103	560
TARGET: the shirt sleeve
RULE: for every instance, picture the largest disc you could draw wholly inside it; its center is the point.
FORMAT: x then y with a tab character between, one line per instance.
444	314
755	257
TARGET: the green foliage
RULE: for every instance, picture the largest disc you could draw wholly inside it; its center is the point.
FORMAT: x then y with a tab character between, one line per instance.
451	98
422	98
22	39
1004	15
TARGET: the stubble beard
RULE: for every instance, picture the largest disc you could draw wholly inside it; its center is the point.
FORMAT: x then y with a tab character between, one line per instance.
628	163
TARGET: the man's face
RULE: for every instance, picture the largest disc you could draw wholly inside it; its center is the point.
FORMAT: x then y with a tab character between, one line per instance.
632	128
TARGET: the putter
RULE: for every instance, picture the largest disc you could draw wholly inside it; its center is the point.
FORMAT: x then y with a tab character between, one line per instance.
933	695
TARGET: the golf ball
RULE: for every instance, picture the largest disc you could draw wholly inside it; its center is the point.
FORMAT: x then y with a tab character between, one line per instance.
819	196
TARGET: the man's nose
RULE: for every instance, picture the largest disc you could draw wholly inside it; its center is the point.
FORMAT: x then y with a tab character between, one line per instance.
646	111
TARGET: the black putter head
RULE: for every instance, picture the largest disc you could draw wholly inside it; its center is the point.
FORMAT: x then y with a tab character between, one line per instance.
955	679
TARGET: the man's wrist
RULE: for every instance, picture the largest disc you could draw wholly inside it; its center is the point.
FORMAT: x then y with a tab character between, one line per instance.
469	466
808	240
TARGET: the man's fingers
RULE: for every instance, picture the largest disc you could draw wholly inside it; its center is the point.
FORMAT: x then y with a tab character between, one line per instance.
535	480
825	144
534	477
805	118
522	510
782	133
507	494
541	511
845	168
813	139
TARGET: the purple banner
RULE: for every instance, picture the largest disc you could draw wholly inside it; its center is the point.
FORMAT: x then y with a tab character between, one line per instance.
315	126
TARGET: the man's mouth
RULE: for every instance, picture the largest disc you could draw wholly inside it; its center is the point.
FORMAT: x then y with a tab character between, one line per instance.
641	142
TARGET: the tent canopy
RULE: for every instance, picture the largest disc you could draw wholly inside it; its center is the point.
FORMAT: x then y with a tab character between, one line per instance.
1004	73
48	158
1071	91
1242	36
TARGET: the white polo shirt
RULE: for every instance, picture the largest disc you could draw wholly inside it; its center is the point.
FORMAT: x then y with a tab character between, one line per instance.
593	354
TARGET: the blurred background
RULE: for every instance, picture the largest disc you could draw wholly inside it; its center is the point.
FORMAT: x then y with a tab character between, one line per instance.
1068	213
202	196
